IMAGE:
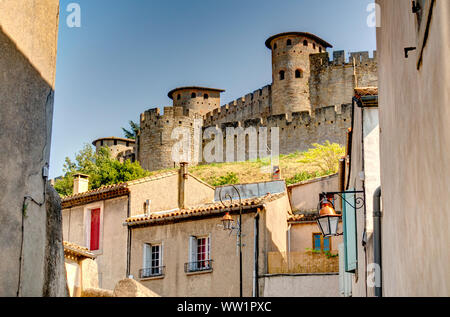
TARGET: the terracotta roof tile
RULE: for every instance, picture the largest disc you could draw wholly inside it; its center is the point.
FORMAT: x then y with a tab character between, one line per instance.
109	191
74	250
366	91
302	218
201	210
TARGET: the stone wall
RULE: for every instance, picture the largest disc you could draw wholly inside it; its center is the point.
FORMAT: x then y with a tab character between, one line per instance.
329	85
332	82
155	142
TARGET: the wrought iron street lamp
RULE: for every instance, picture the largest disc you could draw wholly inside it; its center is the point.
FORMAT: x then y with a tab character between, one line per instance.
328	218
227	223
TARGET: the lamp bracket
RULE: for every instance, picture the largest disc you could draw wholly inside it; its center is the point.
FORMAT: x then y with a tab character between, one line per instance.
359	201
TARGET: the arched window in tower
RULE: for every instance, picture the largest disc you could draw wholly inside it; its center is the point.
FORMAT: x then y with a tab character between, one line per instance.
314	45
305	43
298	73
320	49
275	46
193	95
282	75
205	96
289	42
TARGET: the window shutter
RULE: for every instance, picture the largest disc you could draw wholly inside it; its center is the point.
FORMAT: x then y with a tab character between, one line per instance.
209	248
147	256
161	254
349	223
345	279
192	252
95	229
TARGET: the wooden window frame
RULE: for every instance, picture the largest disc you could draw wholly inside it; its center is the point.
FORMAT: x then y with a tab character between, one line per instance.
321	241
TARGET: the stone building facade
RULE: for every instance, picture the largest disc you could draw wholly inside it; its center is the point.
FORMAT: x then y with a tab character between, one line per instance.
309	100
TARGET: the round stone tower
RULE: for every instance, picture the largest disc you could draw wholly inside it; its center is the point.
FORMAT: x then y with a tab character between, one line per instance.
291	69
200	99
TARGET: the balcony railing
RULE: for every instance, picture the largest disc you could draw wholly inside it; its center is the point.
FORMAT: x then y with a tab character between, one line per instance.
204	265
152	272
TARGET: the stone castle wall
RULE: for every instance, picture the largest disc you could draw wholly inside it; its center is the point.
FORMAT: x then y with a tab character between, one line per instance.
155	142
330	84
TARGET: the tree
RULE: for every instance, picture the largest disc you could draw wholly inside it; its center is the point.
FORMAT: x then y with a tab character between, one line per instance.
325	157
131	134
101	168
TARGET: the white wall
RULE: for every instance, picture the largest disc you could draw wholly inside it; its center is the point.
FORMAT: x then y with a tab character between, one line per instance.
313	285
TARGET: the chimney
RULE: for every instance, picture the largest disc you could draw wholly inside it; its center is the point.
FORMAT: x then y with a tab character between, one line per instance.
182	177
80	183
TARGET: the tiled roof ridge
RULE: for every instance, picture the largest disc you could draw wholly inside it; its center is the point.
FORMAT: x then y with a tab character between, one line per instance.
111	187
205	209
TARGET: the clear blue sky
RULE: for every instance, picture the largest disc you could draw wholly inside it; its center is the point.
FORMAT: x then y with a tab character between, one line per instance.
128	54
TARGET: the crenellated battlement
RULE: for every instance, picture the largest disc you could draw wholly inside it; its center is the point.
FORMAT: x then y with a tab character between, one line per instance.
309	101
153	117
253	104
321	60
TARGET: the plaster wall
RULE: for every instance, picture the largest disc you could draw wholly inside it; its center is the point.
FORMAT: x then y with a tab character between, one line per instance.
415	151
304	196
28	43
301	285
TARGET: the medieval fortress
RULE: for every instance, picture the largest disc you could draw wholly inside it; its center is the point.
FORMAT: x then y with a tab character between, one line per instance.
309	100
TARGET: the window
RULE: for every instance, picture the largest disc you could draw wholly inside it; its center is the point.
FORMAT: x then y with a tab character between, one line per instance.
320	243
199	254
178	97
282	75
314	45
274	46
95	230
320	49
305	43
288	42
205	96
298	73
193	95
152	261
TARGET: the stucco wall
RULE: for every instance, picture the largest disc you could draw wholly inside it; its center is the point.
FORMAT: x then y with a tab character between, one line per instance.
163	194
301	236
415	151
112	255
304	196
365	157
28	43
223	281
308	285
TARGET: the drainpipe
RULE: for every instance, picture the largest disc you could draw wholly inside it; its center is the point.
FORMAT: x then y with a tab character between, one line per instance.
128	240
183	175
255	269
377	240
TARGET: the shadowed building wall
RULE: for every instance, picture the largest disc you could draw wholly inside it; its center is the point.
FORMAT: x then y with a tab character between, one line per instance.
30	218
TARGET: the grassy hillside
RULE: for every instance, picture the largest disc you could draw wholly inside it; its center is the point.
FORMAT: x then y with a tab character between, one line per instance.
296	167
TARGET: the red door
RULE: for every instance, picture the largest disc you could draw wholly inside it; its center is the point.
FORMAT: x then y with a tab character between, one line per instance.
95	229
